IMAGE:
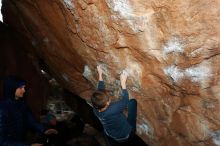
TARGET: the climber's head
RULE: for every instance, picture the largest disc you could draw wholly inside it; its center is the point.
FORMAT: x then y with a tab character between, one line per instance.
100	100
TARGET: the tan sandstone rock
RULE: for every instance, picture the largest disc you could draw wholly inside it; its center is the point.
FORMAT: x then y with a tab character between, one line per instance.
170	49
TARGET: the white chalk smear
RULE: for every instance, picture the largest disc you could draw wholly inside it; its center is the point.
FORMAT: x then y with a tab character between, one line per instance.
197	73
174	45
175	73
69	4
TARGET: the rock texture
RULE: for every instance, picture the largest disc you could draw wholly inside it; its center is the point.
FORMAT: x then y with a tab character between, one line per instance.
170	49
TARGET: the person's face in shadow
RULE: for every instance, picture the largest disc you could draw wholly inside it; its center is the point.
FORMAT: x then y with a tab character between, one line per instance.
19	93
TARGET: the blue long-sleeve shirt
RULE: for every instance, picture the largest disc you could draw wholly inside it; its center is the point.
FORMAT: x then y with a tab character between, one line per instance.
114	122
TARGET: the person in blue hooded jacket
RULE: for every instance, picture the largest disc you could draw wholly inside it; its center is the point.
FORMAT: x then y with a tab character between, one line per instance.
16	117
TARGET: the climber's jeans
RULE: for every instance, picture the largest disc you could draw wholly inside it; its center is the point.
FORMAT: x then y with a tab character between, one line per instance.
132	116
132	113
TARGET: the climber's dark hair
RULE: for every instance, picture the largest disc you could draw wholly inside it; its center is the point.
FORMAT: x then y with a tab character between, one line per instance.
99	99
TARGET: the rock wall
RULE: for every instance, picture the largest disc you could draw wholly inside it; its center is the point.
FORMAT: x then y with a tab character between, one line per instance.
170	49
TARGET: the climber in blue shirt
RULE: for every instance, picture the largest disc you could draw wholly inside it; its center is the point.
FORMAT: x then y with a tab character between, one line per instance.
16	117
117	127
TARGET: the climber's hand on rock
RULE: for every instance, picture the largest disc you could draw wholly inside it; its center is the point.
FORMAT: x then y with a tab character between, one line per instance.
100	72
123	79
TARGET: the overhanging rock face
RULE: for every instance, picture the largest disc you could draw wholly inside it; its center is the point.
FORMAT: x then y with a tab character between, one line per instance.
170	49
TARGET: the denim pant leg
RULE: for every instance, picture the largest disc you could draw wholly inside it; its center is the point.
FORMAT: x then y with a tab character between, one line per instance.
132	113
